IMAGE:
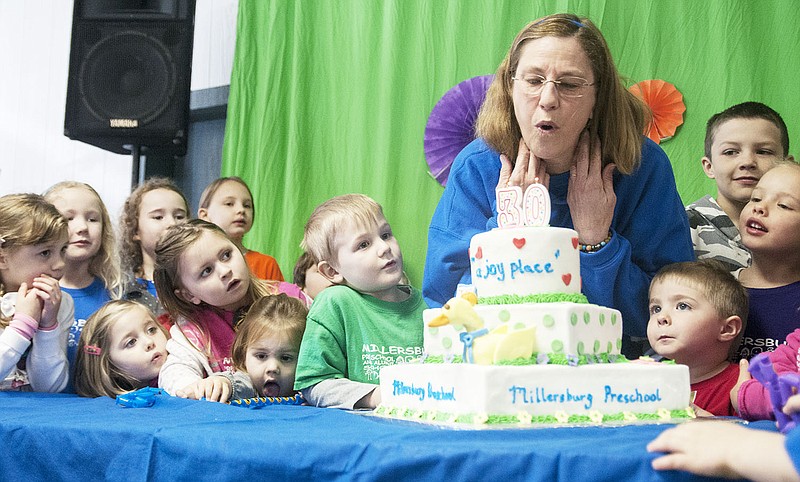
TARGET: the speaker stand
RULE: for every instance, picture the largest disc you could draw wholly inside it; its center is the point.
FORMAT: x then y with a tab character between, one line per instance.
137	165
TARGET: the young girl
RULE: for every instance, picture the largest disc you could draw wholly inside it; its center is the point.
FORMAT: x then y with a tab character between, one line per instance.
150	209
33	310
228	203
92	274
264	353
122	348
770	227
204	283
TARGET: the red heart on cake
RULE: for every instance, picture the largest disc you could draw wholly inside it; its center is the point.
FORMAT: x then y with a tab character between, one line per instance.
566	278
479	253
519	243
575	243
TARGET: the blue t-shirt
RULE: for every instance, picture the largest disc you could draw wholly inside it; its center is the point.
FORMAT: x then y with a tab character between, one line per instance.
87	301
773	314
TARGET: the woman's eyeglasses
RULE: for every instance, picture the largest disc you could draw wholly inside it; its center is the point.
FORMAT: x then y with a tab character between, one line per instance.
569	86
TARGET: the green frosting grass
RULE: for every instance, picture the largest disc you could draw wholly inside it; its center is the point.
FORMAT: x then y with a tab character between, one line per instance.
537	298
496	419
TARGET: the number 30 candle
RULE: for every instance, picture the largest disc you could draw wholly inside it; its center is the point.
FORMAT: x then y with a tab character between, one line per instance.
515	209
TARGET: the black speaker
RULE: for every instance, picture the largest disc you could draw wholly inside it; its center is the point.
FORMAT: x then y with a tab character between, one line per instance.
130	68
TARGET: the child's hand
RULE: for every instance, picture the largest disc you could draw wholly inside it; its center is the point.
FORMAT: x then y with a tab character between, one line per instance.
723	449
28	303
700	412
214	389
49	292
792	405
744	375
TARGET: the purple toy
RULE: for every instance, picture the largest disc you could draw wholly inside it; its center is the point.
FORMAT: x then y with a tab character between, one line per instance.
780	388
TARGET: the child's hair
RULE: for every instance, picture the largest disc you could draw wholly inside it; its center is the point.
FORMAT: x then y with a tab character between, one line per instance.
331	217
27	219
131	249
105	264
711	278
746	110
173	243
270	316
304	262
211	189
95	373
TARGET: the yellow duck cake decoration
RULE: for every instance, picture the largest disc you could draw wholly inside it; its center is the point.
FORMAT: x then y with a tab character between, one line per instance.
481	346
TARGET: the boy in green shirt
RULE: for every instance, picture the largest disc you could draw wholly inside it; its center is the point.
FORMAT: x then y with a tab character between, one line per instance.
367	319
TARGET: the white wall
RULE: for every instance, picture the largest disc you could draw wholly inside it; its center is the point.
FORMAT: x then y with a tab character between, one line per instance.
34	59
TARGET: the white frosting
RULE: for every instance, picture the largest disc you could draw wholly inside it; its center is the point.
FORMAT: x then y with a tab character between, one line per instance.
538	390
526	260
568	328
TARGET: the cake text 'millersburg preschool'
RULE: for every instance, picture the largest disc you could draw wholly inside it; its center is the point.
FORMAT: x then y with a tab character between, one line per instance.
520	395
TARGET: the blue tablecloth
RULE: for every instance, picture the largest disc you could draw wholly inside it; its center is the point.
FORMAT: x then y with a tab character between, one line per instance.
63	437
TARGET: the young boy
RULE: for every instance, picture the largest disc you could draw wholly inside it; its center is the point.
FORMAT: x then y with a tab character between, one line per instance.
697	313
367	319
307	277
742	143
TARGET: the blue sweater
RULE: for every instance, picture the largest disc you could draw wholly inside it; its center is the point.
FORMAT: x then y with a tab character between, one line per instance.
649	228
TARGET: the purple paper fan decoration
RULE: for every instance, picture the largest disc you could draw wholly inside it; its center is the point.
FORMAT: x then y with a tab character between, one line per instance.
451	125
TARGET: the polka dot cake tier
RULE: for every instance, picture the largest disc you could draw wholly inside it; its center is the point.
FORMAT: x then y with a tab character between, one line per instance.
522	345
560	328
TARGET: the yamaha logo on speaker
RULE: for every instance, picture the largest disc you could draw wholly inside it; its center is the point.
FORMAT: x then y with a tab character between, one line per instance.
127	123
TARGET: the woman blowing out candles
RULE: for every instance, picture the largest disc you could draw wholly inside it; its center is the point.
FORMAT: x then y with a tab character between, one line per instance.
558	111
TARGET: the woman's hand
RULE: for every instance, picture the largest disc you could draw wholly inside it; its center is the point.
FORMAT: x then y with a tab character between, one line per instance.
527	170
591	196
49	293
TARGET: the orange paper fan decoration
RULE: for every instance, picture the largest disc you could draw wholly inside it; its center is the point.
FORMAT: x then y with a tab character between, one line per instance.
666	103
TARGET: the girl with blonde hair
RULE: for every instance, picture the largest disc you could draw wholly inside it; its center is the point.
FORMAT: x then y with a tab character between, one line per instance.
92	273
122	348
228	203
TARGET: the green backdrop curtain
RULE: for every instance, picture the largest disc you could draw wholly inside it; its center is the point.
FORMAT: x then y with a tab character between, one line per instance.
329	97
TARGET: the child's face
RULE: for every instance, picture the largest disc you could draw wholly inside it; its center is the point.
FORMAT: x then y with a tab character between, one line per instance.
158	210
315	282
231	208
24	263
137	346
770	222
84	214
271	363
683	323
213	270
369	259
742	151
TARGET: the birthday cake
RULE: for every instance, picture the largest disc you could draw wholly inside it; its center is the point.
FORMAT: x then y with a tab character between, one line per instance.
522	345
